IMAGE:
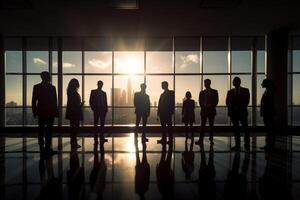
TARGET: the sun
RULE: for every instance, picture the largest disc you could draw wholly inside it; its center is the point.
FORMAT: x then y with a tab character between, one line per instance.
131	65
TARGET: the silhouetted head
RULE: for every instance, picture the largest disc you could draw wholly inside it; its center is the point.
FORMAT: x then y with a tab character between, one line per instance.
207	83
45	76
143	86
100	84
164	85
236	82
188	95
267	83
73	85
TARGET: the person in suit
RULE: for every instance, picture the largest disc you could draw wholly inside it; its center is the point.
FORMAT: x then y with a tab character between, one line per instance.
267	111
208	100
164	172
44	106
237	100
98	172
74	110
142	107
166	106
188	110
142	171
98	103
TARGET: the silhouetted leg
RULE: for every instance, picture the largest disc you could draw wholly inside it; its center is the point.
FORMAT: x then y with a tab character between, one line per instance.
202	128
170	128
48	136
102	123
144	118
41	133
96	120
236	129
270	135
244	122
74	128
163	130
211	120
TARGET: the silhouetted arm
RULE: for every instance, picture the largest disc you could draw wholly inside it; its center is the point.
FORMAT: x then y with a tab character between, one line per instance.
217	99
105	102
91	100
183	108
173	102
55	101
247	97
228	101
34	101
135	101
200	99
159	105
148	105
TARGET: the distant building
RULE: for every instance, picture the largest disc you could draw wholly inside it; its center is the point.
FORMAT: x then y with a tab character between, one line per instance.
117	96
129	92
123	98
11	104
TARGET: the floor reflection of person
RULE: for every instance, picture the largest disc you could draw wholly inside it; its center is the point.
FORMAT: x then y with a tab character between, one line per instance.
142	171
236	182
164	173
207	174
188	157
44	106
98	103
98	173
75	177
74	110
142	108
51	186
165	111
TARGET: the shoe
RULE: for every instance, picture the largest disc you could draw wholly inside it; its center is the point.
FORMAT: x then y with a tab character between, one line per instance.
235	148
77	146
144	139
199	142
103	140
161	141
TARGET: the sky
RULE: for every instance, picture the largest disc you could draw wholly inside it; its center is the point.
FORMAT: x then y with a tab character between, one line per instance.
131	65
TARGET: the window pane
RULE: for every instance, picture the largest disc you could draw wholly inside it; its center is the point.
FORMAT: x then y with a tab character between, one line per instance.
296	116
184	84
296	60
246	83
159	62
54	61
129	62
152	119
88	116
187	62
124	88
72	62
66	80
222	116
31	81
241	61
220	83
260	61
13	116
215	62
259	89
30	120
90	83
154	87
296	89
259	119
13	61
13	93
98	61
178	116
124	116
37	61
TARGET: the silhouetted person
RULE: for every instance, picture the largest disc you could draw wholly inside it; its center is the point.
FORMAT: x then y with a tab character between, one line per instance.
142	171
98	103
208	100
74	110
188	157
142	107
237	101
164	173
236	183
166	106
51	187
98	172
207	174
188	110
44	106
75	177
267	111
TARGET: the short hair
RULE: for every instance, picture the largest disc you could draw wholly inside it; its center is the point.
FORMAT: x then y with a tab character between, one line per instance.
45	76
237	79
207	81
165	83
143	85
100	82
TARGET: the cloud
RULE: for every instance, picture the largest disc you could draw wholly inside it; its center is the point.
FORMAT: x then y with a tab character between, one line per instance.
189	59
99	63
65	65
39	61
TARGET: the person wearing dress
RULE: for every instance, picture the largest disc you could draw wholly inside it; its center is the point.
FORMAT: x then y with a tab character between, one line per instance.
188	110
74	110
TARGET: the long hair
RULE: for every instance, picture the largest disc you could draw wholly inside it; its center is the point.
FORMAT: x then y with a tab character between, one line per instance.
72	86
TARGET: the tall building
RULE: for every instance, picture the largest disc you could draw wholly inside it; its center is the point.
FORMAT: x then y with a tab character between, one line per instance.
129	91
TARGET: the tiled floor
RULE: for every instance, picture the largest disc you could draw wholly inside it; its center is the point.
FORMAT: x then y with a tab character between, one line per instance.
112	172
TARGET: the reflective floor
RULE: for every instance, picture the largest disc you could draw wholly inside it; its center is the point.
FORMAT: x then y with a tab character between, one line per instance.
125	168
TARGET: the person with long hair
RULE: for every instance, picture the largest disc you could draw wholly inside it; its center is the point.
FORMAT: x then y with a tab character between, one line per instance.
74	110
188	110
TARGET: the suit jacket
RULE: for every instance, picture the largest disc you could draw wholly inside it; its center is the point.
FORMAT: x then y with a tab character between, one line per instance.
74	107
44	100
267	109
141	104
237	102
95	98
208	108
166	104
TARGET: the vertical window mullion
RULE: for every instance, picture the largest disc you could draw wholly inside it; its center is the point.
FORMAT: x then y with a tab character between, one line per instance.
113	85
174	86
60	80
24	88
254	81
